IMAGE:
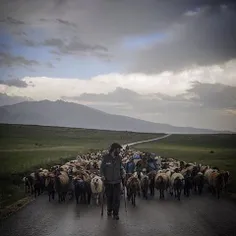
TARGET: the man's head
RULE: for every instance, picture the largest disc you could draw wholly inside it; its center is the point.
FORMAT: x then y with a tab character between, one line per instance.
115	149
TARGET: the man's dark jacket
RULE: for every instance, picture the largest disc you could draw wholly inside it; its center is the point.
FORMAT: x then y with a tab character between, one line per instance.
112	169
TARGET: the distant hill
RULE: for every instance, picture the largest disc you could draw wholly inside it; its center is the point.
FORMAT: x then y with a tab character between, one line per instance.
66	114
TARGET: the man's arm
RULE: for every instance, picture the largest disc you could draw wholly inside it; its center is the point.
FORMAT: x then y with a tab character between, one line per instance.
122	171
102	168
122	174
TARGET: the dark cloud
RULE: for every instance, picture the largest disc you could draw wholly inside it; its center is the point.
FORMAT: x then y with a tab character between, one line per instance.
60	21
9	60
10	20
10	100
120	95
50	65
54	43
204	39
14	82
73	46
214	96
150	103
20	33
201	95
30	43
67	23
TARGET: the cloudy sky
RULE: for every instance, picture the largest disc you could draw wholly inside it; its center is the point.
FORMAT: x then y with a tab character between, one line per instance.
167	61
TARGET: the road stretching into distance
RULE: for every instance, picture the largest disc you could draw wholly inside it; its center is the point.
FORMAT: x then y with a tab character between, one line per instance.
195	216
146	141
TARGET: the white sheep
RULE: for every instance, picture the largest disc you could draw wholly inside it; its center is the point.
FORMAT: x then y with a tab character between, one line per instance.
97	188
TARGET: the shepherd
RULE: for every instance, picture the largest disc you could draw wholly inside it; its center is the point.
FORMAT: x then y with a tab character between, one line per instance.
113	173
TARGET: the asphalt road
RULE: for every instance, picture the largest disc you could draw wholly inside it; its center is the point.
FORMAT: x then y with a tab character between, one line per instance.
147	141
194	216
198	215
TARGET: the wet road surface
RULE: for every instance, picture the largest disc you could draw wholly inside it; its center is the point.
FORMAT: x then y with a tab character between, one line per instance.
198	215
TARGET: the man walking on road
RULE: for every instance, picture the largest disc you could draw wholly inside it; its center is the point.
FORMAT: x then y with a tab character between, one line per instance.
113	173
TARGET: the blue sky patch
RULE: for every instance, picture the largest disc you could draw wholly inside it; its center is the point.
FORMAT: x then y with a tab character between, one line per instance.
142	41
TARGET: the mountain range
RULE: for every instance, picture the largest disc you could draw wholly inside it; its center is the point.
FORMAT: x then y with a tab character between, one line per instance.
68	114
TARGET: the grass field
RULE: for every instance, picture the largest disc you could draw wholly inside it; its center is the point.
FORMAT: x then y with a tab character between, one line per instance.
24	148
198	148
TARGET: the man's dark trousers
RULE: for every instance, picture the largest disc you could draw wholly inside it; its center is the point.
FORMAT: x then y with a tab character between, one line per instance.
113	198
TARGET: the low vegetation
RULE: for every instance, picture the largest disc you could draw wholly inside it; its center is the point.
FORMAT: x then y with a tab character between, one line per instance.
25	148
216	150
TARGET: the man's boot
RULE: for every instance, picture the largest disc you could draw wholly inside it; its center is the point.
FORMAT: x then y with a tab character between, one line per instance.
116	217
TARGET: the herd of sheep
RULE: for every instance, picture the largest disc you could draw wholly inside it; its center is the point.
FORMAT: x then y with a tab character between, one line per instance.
80	179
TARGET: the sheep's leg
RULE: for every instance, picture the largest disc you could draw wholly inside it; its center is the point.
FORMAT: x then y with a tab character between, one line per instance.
179	194
89	198
128	194
77	199
83	199
139	194
175	193
195	188
213	191
71	195
133	199
31	189
200	188
25	188
150	188
218	193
